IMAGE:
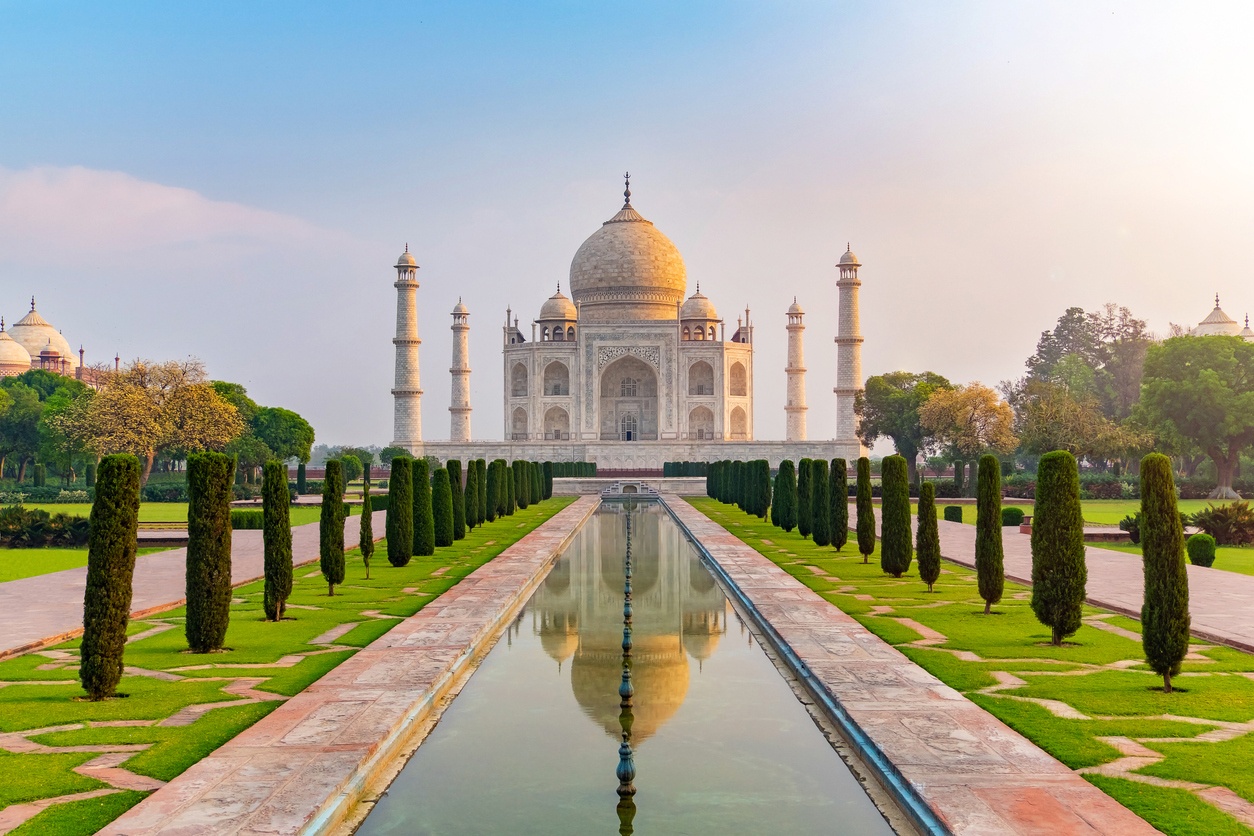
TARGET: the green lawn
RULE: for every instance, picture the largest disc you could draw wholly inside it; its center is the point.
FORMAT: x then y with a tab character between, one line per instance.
1096	511
48	690
172	511
1228	558
26	563
1105	677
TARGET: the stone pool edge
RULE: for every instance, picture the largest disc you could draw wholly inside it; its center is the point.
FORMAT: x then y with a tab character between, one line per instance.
951	766
304	767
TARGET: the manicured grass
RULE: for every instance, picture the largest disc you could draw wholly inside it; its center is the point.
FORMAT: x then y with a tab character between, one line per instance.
1097	672
26	563
49	697
1238	559
1096	511
172	511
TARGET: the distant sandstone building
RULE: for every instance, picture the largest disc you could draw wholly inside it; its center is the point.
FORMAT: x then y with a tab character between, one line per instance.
626	371
34	343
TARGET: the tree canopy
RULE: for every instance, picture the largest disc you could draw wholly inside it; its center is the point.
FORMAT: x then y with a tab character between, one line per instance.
971	420
889	407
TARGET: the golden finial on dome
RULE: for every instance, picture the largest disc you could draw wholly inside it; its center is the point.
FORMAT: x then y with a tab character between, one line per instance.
32	302
627	190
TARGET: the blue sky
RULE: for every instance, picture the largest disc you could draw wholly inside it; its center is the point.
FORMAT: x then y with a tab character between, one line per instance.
234	180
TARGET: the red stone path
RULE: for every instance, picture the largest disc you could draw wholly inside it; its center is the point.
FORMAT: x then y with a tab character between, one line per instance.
48	609
981	777
1221	603
302	767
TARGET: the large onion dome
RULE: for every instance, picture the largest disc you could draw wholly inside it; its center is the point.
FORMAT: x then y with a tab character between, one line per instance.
14	359
1217	324
35	334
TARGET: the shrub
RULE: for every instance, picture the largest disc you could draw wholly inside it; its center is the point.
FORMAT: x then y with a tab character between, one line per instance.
365	534
442	508
866	512
896	550
91	476
331	526
1059	572
301	482
1132	524
27	528
166	492
838	491
399	526
953	513
820	503
209	478
424	521
927	536
1230	525
470	499
805	501
247	520
1011	516
277	538
1201	548
110	572
1165	611
454	468
988	549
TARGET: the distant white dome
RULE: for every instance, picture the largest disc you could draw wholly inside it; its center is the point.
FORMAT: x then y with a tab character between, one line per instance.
460	307
794	308
698	306
849	259
558	307
407	259
35	333
14	359
1217	324
1246	334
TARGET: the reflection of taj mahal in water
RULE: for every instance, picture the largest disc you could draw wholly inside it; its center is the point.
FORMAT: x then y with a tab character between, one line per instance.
680	616
626	371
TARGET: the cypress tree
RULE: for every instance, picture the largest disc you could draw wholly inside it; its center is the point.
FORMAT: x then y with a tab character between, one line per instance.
958	467
749	488
41	477
442	508
331	526
537	483
110	571
548	480
805	503
471	499
838	475
709	482
493	492
365	539
927	537
424	522
209	480
1165	611
400	514
91	475
301	483
786	495
276	506
522	485
737	484
865	510
511	495
1059	572
482	465
764	487
896	550
820	503
988	550
775	502
454	468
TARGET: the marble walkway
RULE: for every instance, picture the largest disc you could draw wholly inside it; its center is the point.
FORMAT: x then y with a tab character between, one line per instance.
981	777
1221	603
302	767
48	609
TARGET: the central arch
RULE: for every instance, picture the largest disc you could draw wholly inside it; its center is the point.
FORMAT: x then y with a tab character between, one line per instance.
628	401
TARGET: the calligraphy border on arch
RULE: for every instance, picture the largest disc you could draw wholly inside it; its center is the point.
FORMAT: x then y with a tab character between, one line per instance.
609	353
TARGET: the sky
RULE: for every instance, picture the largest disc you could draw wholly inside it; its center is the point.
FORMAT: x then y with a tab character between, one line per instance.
233	180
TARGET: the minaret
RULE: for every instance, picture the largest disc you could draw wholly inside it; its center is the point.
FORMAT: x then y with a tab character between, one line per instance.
795	405
459	402
848	350
407	392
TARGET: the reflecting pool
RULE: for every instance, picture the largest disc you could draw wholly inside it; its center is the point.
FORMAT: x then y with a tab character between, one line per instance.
549	729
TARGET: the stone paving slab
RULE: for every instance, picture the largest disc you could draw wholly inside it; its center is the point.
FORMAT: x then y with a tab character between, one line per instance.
977	774
48	609
300	769
1221	603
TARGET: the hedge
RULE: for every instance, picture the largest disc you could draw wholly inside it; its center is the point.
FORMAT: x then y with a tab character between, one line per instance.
953	513
1201	549
1011	517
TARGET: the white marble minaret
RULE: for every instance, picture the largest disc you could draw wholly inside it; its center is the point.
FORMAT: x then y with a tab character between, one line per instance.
795	404
848	350
407	393
459	402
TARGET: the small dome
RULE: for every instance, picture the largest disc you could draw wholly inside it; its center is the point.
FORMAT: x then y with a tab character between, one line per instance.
14	359
558	307
1217	324
407	259
460	308
1246	334
698	306
794	308
35	333
849	259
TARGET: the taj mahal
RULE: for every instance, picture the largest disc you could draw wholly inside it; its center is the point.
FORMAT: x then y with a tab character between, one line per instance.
629	370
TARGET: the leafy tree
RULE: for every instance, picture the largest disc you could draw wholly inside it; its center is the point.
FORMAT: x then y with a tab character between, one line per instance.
989	556
352	467
1165	610
1059	571
365	539
1051	417
286	433
805	499
331	526
442	508
820	503
110	571
399	525
927	536
865	510
250	452
454	468
786	495
896	550
889	407
970	419
838	473
237	396
276	505
19	425
387	454
209	480
471	498
424	521
1201	390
